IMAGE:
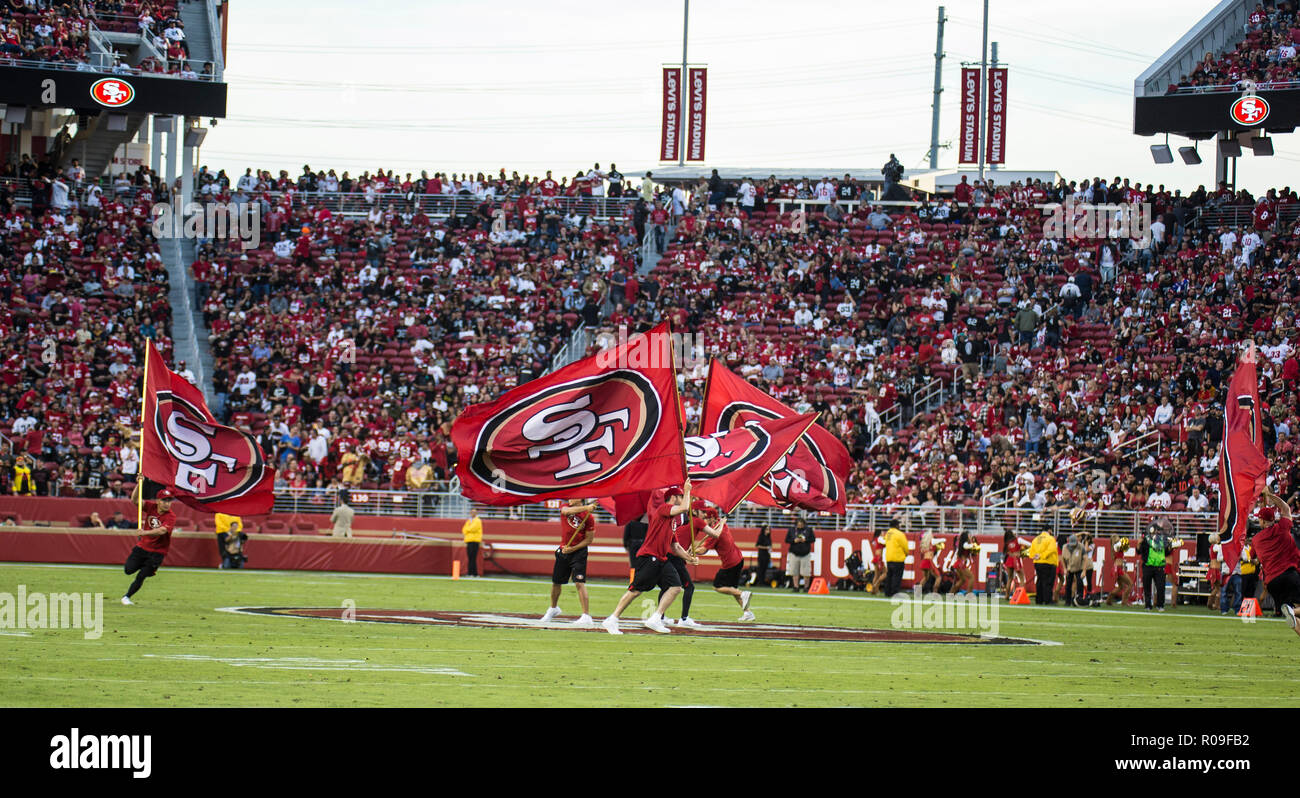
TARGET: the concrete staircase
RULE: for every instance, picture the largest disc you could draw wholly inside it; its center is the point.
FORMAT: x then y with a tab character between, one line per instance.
94	145
199	35
189	332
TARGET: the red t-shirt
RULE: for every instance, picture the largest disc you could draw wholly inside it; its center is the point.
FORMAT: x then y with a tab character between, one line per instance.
661	526
726	546
1276	549
573	528
153	520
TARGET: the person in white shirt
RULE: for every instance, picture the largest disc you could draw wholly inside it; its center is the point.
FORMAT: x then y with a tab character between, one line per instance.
246	382
1164	413
596	179
1227	241
803	316
1160	500
746	194
824	190
283	248
1198	502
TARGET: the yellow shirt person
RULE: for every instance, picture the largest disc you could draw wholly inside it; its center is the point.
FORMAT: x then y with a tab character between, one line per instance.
895	545
1043	549
472	532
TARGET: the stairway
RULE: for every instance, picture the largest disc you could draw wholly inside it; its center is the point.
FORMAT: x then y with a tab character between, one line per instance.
95	144
198	36
189	332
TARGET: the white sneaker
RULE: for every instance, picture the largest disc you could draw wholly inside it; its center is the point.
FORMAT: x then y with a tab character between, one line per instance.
655	624
744	600
1288	612
584	620
128	602
551	613
611	625
748	616
688	621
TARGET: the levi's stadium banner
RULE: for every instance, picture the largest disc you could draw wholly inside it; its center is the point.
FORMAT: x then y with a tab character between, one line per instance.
997	127
211	467
699	96
810	476
725	466
1243	467
605	425
969	148
670	133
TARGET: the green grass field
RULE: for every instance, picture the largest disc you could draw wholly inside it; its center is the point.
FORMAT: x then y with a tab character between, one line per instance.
174	649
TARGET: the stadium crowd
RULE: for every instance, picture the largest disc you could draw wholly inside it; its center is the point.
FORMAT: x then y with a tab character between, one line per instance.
349	342
57	31
84	285
1265	57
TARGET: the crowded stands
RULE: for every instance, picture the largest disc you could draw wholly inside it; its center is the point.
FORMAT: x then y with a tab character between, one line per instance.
1266	57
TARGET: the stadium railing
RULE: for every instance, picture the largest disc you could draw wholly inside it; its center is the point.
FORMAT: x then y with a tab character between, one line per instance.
1242	216
1275	85
445	205
940	520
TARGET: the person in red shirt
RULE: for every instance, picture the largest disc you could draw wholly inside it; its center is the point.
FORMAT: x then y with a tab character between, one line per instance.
1276	550
717	535
664	510
157	524
577	530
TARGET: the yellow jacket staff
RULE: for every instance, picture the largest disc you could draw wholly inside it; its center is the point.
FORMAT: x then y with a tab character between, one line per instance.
1043	549
895	545
473	530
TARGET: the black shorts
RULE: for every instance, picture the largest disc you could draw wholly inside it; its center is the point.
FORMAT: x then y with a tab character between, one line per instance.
572	564
652	573
683	574
728	577
1286	588
147	562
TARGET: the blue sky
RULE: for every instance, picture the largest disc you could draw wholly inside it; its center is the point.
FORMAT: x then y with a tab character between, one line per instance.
456	86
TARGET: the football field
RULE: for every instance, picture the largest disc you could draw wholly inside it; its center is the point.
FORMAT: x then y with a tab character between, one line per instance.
182	645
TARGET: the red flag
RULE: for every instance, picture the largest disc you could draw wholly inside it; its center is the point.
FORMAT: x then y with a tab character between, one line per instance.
211	467
811	476
969	149
698	81
602	426
996	135
725	466
670	130
1243	468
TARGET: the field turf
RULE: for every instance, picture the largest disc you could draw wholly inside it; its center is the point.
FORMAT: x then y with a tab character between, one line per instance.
174	649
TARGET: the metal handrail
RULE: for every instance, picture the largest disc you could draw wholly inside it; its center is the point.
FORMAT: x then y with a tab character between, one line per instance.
439	206
948	519
87	66
1267	86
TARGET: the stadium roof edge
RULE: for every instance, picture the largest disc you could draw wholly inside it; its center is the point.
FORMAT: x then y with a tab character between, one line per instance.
1222	26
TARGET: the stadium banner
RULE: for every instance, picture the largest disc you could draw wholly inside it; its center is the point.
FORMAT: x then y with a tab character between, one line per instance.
997	125
605	425
670	132
810	476
93	92
969	149
1243	467
213	468
699	98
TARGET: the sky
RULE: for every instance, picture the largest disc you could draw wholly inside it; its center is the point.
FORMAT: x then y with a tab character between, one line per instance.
530	85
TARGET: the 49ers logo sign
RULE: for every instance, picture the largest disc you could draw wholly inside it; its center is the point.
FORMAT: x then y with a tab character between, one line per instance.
1249	110
214	463
569	435
112	92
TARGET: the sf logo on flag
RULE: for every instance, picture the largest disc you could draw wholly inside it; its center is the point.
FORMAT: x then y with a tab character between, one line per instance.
800	469
569	444
719	454
206	455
